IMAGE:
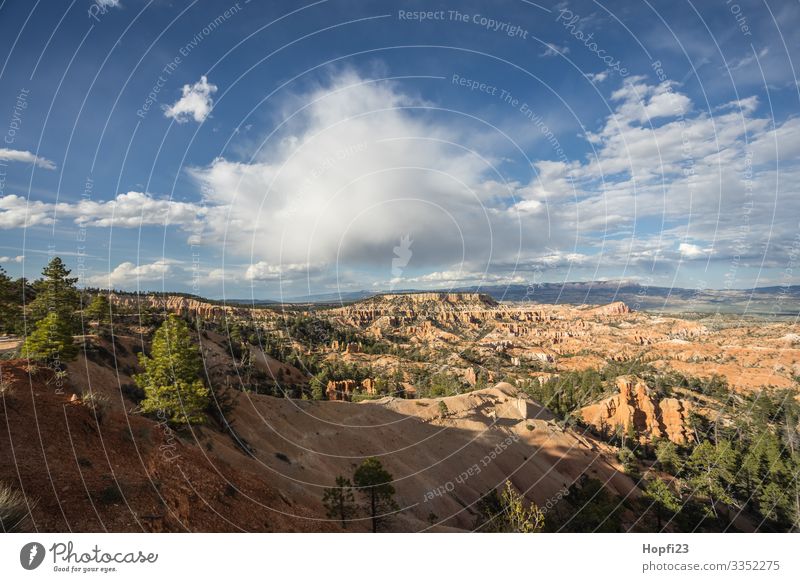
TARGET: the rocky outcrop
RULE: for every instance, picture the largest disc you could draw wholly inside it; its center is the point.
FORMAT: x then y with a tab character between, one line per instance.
636	406
178	304
343	390
447	309
616	308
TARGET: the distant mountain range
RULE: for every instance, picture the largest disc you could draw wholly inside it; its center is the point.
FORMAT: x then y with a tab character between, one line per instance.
761	301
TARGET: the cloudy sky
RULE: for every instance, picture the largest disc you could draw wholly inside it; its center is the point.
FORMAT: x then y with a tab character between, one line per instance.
276	149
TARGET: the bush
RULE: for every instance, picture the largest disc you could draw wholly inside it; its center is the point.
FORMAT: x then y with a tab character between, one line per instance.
508	512
14	509
6	387
98	404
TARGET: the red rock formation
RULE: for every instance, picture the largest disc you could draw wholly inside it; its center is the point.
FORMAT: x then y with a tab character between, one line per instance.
634	405
344	389
352	348
368	386
340	390
181	305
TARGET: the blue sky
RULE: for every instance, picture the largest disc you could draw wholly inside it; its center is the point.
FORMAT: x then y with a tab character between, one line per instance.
272	149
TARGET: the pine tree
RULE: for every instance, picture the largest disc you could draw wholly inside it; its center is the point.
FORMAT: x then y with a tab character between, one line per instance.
713	468
773	502
55	292
172	377
340	501
628	460
10	309
663	499
375	485
51	342
318	385
667	457
595	509
99	309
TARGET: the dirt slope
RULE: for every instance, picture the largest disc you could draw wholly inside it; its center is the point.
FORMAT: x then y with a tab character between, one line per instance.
130	473
496	433
126	473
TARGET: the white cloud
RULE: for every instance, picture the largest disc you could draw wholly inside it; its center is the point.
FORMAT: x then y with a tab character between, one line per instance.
554	50
127	210
597	77
26	157
196	102
691	251
356	169
17	212
127	274
109	3
263	271
133	209
358	165
749	59
17	259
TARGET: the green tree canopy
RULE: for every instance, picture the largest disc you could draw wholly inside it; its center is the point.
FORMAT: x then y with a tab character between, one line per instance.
595	509
375	485
51	341
667	457
172	377
664	501
318	385
10	309
99	309
55	292
713	471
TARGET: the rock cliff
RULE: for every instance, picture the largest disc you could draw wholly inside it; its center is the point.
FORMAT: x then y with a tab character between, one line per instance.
635	405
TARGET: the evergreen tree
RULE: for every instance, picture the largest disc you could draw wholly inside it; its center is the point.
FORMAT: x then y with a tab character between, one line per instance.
667	457
10	308
773	503
55	292
664	501
99	309
172	377
339	501
51	342
713	469
628	460
594	508
318	385
374	483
